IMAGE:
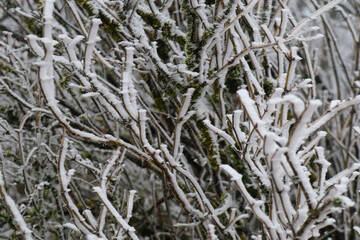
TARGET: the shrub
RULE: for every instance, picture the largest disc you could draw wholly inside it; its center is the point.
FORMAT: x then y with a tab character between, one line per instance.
179	119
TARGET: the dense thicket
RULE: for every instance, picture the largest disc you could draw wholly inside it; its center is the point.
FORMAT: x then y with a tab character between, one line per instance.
179	119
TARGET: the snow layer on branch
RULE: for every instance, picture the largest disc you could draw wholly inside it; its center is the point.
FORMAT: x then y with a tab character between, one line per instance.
251	111
92	39
254	204
10	203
